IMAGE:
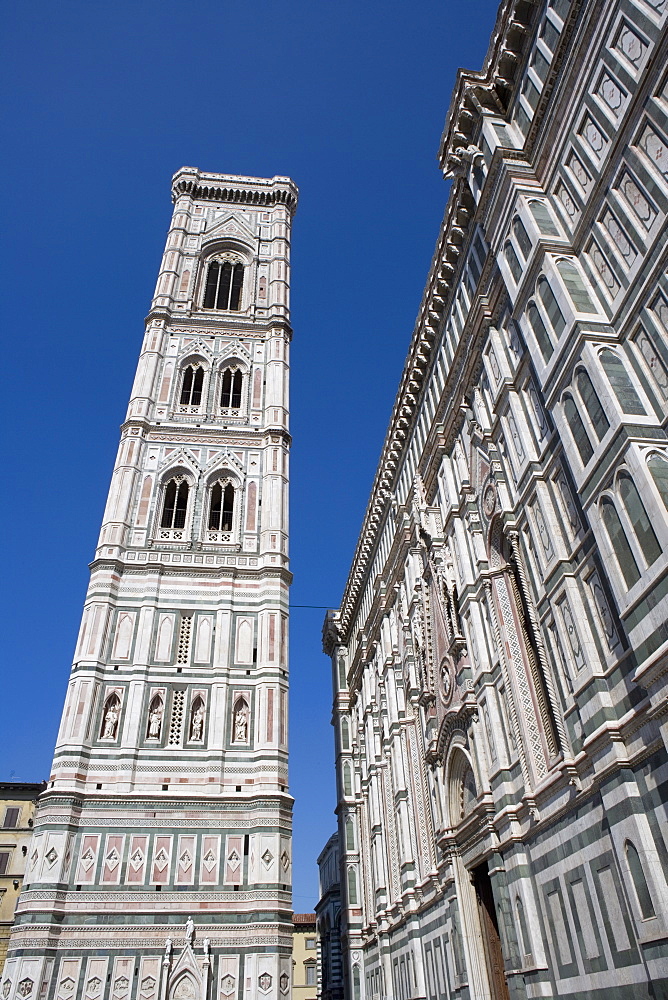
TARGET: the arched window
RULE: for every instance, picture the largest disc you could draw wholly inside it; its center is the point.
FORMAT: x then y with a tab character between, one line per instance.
658	466
642	528
352	887
342	669
345	735
554	313
224	282
175	505
513	261
539	332
525	940
347	780
577	428
622	386
619	542
592	403
350	834
543	219
575	286
522	237
639	881
230	393
191	386
221	508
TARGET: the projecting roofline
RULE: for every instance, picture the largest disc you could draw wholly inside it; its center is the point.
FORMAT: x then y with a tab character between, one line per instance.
488	91
235	188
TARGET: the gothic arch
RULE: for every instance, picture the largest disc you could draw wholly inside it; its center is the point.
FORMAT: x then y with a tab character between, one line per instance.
171	492
184	987
461	784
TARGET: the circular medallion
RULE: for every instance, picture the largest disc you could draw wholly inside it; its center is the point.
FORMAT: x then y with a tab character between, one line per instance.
489	499
446	679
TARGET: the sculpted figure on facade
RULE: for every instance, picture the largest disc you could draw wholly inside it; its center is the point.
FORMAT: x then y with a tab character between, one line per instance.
110	723
197	722
241	723
155	720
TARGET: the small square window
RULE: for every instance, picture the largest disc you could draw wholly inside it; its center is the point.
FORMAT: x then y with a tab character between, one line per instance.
310	942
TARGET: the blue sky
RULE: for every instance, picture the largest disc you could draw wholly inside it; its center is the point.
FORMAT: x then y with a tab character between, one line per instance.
102	103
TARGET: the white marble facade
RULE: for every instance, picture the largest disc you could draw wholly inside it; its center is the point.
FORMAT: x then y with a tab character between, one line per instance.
501	649
168	800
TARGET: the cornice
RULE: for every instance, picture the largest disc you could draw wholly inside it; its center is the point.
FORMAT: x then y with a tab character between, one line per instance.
235	189
488	91
218	325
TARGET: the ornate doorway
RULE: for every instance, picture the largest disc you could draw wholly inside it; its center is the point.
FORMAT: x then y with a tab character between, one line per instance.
490	933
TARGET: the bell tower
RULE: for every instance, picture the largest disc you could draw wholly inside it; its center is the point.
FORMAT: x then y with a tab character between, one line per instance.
160	866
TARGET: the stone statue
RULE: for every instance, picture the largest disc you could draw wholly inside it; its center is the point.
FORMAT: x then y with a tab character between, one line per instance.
197	724
155	722
190	931
110	721
240	725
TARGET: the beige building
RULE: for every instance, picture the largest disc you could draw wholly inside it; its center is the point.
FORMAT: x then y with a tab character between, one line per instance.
304	957
17	807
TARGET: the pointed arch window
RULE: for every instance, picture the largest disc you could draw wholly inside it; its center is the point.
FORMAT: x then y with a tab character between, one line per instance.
658	466
592	403
640	522
539	332
191	386
224	283
575	286
619	541
551	306
525	940
175	504
577	429
221	507
639	881
230	390
513	262
543	219
522	237
622	386
352	887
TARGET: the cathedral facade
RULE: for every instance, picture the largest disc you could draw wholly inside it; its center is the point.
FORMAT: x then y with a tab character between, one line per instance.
500	654
160	865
